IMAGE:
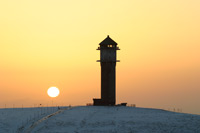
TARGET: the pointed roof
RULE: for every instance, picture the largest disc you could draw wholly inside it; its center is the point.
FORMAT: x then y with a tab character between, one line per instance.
108	41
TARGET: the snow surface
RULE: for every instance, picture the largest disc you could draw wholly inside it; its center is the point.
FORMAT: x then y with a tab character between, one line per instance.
99	119
16	119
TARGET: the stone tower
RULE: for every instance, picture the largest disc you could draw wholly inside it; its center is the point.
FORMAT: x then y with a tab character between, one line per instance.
108	53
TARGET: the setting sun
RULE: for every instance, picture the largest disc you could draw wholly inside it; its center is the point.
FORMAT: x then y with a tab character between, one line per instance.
53	91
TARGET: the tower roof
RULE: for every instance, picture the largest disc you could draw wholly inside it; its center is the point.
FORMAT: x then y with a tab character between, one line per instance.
108	41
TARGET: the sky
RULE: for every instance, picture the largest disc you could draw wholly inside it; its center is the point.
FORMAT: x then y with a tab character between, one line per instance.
46	43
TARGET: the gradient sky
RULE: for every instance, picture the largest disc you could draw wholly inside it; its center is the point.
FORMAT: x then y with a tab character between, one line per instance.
46	43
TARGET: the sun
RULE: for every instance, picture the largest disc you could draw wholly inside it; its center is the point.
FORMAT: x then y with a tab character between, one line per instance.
53	91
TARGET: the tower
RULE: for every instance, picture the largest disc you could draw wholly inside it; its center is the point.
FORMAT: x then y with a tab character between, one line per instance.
108	53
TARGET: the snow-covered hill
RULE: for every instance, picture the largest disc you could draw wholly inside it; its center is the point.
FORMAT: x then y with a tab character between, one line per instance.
91	119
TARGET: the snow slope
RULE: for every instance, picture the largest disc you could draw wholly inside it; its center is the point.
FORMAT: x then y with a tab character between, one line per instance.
13	119
91	119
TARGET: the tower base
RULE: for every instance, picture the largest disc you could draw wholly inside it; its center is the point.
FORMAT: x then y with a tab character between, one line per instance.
100	102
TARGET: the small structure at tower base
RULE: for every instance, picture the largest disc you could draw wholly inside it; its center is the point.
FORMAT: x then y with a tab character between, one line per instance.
97	102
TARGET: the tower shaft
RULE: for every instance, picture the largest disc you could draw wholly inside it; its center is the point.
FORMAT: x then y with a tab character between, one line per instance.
108	83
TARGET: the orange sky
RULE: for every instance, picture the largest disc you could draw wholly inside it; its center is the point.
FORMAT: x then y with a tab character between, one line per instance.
46	43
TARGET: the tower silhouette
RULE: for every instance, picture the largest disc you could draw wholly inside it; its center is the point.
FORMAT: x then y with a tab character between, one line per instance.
108	54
